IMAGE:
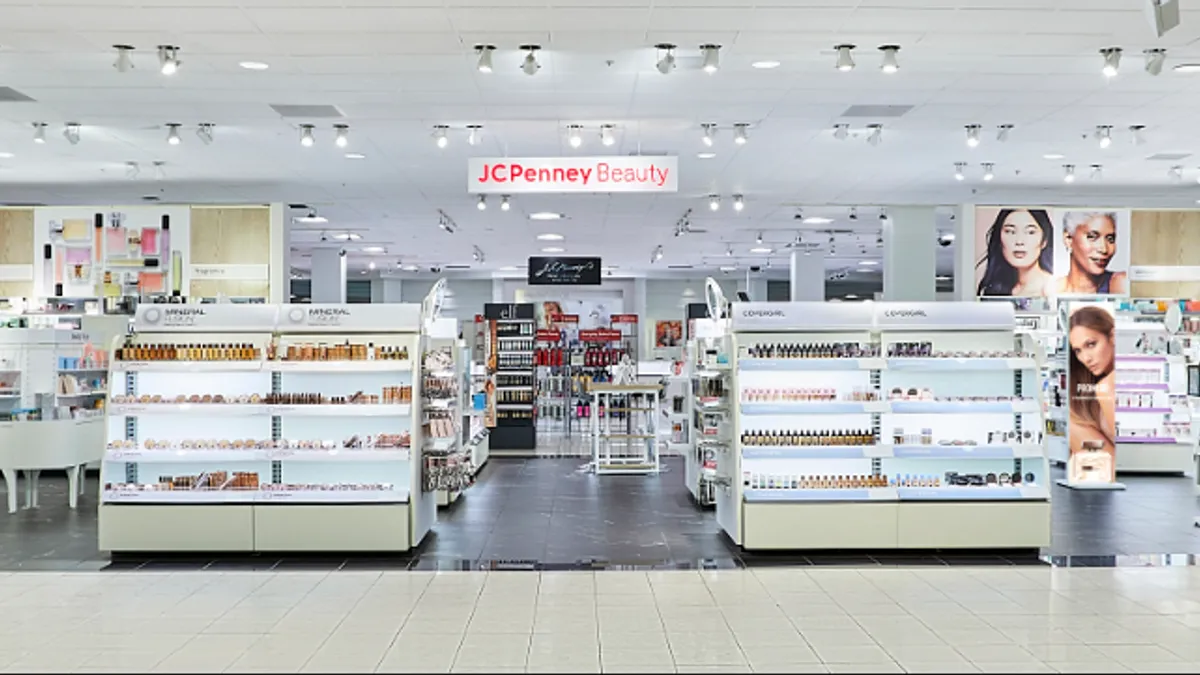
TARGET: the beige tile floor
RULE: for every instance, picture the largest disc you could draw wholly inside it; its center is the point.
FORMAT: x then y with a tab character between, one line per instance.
817	620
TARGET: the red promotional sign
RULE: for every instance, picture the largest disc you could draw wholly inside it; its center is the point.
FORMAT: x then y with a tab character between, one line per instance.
568	318
549	335
624	318
599	335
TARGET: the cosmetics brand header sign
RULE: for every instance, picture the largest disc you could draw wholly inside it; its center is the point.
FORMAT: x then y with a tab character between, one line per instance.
563	271
813	316
330	318
215	318
508	175
922	316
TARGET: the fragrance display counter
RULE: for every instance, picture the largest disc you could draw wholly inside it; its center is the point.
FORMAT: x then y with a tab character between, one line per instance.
883	425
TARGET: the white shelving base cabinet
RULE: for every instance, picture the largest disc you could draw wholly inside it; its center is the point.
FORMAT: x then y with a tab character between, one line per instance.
338	498
839	509
626	444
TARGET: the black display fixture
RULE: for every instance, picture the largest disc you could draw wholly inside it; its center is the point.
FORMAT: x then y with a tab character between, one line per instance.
550	271
512	328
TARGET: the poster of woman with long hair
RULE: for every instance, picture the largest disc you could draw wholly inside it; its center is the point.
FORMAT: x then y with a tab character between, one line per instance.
1014	252
1091	377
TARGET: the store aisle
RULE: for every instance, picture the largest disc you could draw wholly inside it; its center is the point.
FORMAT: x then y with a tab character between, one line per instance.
775	620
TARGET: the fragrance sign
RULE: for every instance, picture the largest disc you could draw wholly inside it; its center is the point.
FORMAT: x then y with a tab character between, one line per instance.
486	175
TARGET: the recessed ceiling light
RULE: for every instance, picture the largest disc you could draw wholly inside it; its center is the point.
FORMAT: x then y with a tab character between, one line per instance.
765	65
705	155
817	220
760	249
347	236
550	236
868	263
1187	68
728	268
545	215
6	155
943	277
254	65
373	249
1052	155
355	155
410	268
552	249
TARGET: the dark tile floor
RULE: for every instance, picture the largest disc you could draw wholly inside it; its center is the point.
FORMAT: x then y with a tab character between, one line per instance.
551	514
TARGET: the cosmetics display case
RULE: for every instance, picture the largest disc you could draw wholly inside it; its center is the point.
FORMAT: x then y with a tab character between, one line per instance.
266	428
884	425
510	342
1154	418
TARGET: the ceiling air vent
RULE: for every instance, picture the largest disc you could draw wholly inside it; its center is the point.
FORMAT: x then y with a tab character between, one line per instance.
679	267
10	95
307	111
648	153
458	267
876	110
22	205
1168	156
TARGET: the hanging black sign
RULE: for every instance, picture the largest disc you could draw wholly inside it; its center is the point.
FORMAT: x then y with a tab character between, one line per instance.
564	271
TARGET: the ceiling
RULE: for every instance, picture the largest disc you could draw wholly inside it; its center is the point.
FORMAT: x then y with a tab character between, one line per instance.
396	68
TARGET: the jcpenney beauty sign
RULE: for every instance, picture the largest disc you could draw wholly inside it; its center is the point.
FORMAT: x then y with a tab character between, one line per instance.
572	174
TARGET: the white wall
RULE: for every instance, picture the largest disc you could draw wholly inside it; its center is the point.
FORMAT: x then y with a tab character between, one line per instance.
464	297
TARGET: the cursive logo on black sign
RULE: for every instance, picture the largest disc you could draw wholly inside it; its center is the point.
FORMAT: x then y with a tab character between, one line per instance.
559	269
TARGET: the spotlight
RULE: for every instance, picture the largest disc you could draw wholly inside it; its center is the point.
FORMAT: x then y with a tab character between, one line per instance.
714	203
889	64
477	254
482	203
504	205
530	65
988	173
882	214
739	203
973	135
1175	173
71	133
666	61
712	58
853	215
739	133
759	238
710	130
1112	61
729	251
606	135
445	222
1097	172
39	132
657	254
123	64
1154	60
1137	134
875	134
841	131
573	135
132	170
485	57
474	134
173	134
958	171
168	59
845	60
1068	173
343	135
306	135
439	135
1002	132
371	265
205	133
1104	135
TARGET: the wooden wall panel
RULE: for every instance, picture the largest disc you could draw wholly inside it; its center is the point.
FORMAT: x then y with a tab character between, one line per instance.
16	248
230	236
1165	238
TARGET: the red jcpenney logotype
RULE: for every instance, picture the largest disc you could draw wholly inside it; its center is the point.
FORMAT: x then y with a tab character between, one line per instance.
599	176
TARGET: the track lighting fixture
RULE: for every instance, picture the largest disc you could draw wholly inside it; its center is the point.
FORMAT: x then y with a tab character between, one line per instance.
973	135
1154	60
657	254
71	133
574	135
306	135
712	58
1112	61
606	135
841	131
845	60
739	203
889	64
530	65
666	58
1104	136
481	204
874	134
759	238
853	215
1068	173
343	135
124	63
446	223
710	131
477	254
39	132
1002	132
739	133
504	205
1097	172
959	167
1137	134
1175	173
161	174
132	170
728	251
439	135
168	59
205	132
474	134
485	57
882	214
988	171
714	203
173	134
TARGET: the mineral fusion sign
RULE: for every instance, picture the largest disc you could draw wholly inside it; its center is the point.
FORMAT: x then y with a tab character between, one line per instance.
510	175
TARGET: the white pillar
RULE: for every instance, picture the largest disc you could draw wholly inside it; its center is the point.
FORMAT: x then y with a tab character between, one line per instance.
497	290
279	281
909	254
386	290
964	252
754	286
328	276
806	276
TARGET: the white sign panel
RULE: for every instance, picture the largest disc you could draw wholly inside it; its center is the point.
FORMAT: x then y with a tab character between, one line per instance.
944	316
16	272
382	318
229	272
808	316
495	175
240	318
1164	273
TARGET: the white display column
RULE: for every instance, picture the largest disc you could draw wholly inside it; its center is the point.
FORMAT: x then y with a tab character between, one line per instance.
328	276
964	252
909	254
806	275
386	290
754	286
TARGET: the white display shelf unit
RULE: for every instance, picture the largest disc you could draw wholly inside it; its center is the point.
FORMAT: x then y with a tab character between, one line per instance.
307	498
883	495
709	352
625	442
1164	375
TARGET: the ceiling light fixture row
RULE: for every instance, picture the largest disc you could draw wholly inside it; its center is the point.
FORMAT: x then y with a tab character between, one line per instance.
709	133
974	131
307	139
575	135
874	133
1154	59
845	58
709	53
441	134
656	254
989	171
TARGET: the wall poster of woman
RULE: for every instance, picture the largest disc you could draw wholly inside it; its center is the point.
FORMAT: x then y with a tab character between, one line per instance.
1014	252
1091	378
1091	255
